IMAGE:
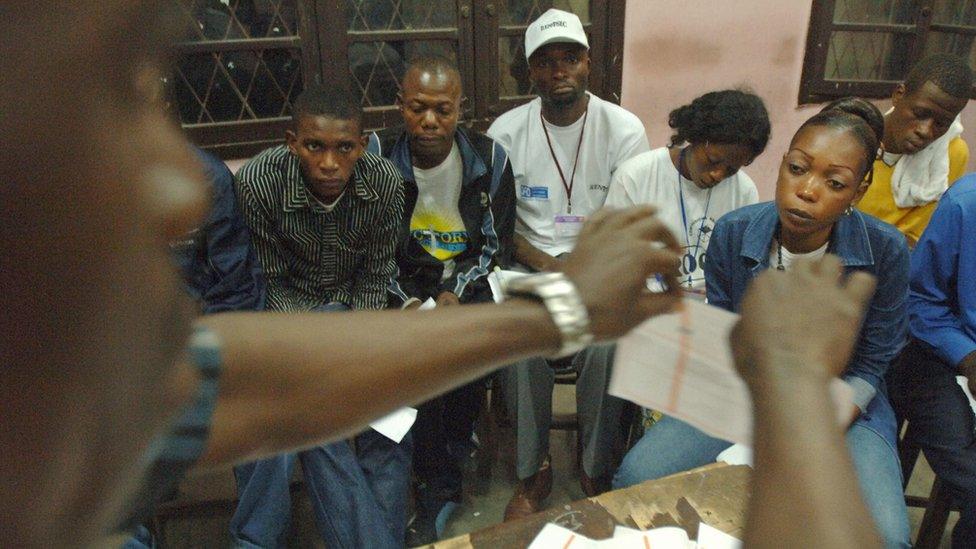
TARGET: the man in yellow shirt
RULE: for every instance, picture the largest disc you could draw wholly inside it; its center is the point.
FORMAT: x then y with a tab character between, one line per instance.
923	152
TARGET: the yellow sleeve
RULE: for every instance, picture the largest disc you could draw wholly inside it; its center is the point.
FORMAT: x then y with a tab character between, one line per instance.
914	223
958	158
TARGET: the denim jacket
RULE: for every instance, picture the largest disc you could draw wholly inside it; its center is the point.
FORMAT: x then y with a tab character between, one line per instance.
739	250
487	208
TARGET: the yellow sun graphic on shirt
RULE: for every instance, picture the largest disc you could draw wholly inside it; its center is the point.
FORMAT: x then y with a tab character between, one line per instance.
442	238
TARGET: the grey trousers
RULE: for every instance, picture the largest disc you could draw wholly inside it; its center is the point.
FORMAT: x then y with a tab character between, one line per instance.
528	395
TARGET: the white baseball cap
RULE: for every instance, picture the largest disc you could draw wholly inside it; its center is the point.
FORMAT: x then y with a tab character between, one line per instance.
554	26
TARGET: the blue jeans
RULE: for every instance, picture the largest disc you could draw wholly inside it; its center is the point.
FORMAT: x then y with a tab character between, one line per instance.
672	446
358	489
141	539
924	390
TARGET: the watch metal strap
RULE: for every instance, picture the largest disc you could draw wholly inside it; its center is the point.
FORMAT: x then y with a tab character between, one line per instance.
564	304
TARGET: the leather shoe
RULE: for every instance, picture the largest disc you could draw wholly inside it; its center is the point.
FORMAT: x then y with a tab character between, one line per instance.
530	493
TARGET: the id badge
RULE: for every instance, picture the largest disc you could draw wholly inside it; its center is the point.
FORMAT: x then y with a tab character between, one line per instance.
568	226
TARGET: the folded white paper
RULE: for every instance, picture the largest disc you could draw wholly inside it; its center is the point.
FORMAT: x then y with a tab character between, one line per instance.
681	364
396	425
964	383
737	454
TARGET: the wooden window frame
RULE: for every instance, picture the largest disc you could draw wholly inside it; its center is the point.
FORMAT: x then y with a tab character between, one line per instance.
814	88
323	41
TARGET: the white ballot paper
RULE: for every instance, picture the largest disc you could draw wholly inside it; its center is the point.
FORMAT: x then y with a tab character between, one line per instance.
396	425
554	536
681	364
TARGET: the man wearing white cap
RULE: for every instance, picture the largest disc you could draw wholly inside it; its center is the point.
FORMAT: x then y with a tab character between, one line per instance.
564	147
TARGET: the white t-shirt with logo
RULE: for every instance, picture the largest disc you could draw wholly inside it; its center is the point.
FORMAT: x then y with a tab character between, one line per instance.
436	223
611	136
651	178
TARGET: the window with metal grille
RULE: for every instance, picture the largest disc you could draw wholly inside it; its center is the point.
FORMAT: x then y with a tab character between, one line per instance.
241	63
865	47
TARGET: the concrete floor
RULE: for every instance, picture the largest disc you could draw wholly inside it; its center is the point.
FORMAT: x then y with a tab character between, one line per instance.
486	497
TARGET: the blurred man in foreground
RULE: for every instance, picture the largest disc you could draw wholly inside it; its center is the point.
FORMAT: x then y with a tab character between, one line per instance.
95	335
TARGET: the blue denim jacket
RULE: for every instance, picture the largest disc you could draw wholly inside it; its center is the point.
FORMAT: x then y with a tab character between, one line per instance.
739	250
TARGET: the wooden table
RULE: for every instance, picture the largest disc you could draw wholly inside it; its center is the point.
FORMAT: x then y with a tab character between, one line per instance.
716	494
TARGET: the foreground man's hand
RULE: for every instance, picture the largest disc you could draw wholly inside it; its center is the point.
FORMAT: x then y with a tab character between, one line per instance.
809	314
796	332
617	251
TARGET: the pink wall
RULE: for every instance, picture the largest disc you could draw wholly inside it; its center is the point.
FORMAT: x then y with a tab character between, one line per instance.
676	50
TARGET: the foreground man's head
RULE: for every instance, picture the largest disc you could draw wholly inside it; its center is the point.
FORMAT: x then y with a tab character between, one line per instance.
96	184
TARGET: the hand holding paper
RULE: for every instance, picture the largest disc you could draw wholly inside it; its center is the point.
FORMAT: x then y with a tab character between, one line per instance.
681	364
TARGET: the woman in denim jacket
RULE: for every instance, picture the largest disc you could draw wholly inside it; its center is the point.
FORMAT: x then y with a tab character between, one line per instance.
821	176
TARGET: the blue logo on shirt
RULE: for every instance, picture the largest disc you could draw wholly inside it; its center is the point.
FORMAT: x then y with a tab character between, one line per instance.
533	193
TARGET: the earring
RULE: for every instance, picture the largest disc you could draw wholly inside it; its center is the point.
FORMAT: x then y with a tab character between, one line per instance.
849	210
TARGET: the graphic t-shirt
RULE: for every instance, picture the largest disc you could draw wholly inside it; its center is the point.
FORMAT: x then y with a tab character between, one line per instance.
610	135
436	223
651	178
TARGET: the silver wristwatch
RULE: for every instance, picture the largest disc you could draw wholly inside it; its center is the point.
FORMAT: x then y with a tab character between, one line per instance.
560	297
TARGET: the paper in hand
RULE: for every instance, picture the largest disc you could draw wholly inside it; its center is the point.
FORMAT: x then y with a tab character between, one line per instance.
681	364
396	425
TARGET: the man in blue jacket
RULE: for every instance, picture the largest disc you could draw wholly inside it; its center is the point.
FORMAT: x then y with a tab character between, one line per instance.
458	223
942	322
218	262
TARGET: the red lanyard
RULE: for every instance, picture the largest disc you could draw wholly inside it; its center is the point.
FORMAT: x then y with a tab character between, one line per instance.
579	146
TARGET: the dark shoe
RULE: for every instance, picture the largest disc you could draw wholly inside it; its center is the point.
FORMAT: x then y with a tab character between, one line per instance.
529	494
434	505
594	486
428	525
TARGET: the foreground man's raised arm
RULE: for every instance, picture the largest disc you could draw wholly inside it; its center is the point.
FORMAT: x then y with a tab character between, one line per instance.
290	381
796	334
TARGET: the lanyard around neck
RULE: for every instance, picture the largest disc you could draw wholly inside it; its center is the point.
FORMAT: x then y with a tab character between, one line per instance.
567	186
684	216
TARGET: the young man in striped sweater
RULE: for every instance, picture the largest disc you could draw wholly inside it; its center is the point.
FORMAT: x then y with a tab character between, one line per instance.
324	215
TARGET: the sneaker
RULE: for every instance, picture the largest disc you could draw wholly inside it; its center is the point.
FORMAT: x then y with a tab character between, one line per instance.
428	524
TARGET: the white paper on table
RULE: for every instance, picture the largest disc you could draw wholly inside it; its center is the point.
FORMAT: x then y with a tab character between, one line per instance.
396	425
498	279
964	383
427	305
556	537
713	538
737	454
681	364
670	537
